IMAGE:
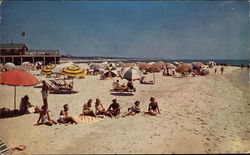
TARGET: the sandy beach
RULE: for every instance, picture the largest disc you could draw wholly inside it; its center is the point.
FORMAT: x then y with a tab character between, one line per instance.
202	114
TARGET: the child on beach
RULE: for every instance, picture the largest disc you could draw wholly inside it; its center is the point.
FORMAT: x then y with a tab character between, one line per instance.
153	108
45	118
64	117
133	110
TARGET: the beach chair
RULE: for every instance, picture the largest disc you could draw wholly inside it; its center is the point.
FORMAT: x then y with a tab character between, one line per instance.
4	150
58	89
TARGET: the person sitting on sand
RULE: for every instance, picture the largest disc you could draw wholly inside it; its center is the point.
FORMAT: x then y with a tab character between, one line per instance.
153	108
130	86
64	117
116	85
143	81
114	109
87	111
99	109
26	107
133	110
45	118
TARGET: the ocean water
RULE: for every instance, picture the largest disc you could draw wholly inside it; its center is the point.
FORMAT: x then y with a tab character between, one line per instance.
245	62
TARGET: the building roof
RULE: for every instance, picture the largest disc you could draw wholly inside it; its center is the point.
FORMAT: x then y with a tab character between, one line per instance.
12	46
45	51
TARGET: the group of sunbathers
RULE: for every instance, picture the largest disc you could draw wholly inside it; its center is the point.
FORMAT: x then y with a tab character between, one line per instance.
112	111
123	87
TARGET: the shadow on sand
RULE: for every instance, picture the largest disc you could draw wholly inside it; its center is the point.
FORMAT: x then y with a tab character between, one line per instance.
65	92
122	94
9	113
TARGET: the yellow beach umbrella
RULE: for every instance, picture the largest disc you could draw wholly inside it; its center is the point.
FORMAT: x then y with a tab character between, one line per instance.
47	70
74	71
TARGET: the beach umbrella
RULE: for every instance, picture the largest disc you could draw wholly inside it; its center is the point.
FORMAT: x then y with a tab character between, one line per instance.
51	66
110	67
17	78
183	68
110	74
48	69
9	66
197	64
143	66
170	66
74	71
211	64
176	63
120	64
131	73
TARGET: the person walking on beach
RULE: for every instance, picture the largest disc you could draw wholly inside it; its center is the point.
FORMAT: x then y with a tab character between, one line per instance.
222	70
215	70
45	91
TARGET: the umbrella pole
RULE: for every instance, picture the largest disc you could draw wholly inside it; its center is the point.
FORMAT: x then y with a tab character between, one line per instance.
154	76
15	99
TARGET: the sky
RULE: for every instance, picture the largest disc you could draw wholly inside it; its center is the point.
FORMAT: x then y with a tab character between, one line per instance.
148	29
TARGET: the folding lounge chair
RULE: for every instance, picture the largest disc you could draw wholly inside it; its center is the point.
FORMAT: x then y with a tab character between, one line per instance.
4	150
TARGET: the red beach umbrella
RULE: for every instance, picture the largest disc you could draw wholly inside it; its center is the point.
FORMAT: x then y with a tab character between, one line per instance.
17	78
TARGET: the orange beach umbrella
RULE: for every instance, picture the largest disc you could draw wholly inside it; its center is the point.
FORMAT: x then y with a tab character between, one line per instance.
17	78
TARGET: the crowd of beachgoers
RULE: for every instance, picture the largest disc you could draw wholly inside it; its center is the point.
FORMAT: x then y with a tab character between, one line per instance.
152	95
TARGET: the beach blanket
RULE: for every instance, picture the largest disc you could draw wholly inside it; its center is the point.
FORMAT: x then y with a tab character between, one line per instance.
87	119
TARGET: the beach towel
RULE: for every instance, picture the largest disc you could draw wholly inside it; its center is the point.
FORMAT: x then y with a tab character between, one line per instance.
87	119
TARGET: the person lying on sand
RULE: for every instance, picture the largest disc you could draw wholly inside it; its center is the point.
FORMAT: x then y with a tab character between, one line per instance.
133	110
143	81
64	117
114	109
26	107
87	111
99	109
153	108
45	118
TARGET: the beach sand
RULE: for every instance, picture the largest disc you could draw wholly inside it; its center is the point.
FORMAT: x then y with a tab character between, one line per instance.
202	114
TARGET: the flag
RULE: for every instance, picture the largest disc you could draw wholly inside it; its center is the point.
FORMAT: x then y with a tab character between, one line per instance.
22	34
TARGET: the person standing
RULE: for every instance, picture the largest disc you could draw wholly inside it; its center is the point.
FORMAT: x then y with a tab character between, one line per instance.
222	70
215	70
45	91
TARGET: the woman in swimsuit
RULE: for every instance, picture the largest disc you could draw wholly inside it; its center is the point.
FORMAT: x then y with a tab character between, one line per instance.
45	118
87	111
153	108
99	109
133	110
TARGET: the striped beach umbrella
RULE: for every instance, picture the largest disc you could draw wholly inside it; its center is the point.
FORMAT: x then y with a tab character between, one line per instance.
110	74
48	69
74	71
